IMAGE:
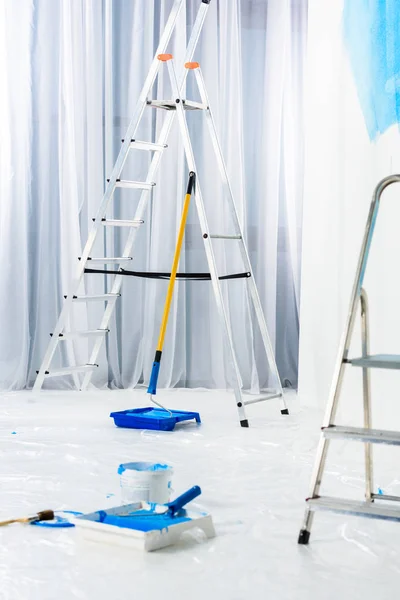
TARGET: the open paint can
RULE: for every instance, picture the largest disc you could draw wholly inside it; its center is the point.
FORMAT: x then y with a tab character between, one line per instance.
145	482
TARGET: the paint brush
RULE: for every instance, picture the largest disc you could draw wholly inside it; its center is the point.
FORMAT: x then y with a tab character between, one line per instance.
44	515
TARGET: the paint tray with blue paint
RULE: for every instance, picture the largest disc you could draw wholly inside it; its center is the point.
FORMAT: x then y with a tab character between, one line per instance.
152	418
145	525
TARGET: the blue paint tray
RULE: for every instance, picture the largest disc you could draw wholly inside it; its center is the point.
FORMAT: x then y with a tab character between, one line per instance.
152	418
104	526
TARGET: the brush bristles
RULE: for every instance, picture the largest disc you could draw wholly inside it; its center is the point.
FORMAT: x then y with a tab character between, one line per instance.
45	515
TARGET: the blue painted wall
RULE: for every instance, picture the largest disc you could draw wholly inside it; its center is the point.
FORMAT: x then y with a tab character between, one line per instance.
371	30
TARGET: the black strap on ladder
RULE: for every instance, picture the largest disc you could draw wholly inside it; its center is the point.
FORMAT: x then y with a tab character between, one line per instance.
156	275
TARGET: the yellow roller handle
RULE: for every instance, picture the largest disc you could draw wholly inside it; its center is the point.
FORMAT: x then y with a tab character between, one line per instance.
174	270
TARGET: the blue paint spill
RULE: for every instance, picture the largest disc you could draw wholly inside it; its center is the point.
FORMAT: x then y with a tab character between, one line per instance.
13	433
371	30
380	491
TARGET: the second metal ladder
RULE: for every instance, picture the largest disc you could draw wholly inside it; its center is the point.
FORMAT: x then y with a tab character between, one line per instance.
330	431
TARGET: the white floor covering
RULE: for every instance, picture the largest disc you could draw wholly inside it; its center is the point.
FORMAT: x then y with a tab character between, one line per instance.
61	451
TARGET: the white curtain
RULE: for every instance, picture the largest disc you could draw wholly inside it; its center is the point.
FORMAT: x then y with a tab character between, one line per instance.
343	166
61	126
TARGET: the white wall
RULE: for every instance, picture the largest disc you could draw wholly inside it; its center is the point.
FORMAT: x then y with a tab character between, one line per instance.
342	168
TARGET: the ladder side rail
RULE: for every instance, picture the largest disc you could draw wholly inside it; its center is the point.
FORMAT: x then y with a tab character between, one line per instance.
366	395
208	246
243	250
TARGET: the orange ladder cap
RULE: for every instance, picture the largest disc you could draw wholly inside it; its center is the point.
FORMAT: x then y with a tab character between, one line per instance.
192	65
165	57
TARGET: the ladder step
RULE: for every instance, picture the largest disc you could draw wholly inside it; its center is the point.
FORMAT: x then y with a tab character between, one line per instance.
135	185
149	146
225	237
386	497
354	507
378	361
71	335
360	434
171	104
262	398
104	260
97	298
121	223
70	370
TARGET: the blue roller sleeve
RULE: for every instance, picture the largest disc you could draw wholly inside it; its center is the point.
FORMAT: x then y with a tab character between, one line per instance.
152	389
181	501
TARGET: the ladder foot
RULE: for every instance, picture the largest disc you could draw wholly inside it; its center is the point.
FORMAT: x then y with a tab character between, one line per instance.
284	411
304	537
244	423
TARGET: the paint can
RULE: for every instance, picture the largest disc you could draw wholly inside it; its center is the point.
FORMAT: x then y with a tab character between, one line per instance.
145	482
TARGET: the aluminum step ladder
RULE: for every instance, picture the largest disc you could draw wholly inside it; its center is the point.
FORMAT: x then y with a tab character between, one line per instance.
174	107
330	431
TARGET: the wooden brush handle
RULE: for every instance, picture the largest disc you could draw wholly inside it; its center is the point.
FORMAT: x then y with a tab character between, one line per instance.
2	523
44	515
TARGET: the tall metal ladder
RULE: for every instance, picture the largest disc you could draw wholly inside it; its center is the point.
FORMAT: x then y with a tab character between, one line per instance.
177	106
366	434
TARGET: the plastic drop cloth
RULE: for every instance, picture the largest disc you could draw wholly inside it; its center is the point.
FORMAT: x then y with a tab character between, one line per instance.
62	451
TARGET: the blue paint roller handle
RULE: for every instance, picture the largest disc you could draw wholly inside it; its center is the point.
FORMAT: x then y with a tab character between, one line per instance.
152	389
181	501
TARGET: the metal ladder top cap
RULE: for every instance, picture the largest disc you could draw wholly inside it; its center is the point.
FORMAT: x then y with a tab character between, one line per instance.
192	65
165	57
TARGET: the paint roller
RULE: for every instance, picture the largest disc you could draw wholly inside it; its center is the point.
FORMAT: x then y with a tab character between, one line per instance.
152	389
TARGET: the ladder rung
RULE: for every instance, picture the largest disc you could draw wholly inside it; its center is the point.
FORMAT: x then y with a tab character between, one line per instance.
225	237
135	185
386	497
261	399
70	370
121	223
97	297
360	434
354	507
71	335
149	146
171	104
378	361
105	260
